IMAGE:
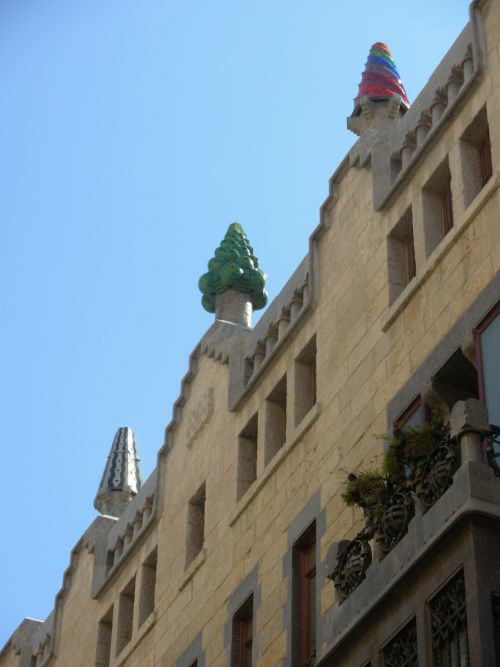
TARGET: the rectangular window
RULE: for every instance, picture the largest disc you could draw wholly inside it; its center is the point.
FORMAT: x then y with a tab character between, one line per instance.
401	650
449	625
487	337
304	621
242	642
415	415
275	420
196	525
104	630
125	616
437	207
247	457
401	256
475	153
148	586
305	381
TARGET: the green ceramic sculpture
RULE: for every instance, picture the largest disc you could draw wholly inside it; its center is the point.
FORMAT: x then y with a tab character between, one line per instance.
233	267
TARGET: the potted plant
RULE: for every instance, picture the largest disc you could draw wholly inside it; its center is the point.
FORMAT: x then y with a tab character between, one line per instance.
369	490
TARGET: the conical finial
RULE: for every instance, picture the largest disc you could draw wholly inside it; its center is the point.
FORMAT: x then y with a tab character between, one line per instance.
233	279
122	476
380	80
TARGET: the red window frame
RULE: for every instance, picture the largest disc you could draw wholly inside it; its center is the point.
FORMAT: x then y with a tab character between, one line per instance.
243	634
307	581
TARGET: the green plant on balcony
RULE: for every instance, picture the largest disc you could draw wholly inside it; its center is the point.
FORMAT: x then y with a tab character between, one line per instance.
406	453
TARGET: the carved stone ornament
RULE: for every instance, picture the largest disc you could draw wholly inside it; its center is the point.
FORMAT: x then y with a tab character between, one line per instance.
201	413
352	563
438	471
398	512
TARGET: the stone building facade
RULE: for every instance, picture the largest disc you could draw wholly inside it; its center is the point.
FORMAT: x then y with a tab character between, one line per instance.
240	549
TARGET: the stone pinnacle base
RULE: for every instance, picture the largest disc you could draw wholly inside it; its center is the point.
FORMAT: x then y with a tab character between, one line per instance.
235	307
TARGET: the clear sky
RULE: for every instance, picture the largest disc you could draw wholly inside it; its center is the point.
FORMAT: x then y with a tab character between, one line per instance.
132	132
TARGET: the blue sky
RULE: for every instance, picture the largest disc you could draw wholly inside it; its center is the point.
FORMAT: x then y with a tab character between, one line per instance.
132	133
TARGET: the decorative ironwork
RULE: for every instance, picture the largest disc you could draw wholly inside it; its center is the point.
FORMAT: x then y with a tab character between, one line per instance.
351	566
438	471
402	650
493	448
398	512
449	625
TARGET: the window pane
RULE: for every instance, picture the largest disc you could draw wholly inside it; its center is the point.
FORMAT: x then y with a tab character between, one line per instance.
415	415
490	347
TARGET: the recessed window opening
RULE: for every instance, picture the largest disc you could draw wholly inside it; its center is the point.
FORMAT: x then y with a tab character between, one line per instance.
275	420
401	256
475	153
148	586
242	635
396	166
125	616
304	598
104	630
110	559
456	380
247	457
437	203
196	524
305	381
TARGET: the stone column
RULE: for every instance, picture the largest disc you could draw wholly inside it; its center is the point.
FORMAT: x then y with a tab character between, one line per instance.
469	423
233	306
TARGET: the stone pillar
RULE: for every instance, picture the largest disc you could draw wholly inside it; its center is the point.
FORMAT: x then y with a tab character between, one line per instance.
271	339
283	322
235	307
469	423
439	104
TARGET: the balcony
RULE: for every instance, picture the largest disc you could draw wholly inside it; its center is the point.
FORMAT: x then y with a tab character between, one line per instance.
417	534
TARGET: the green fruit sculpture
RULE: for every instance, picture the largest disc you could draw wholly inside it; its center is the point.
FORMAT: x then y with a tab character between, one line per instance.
233	267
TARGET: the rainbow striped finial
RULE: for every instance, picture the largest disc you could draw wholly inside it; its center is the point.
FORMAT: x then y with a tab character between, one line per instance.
381	79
